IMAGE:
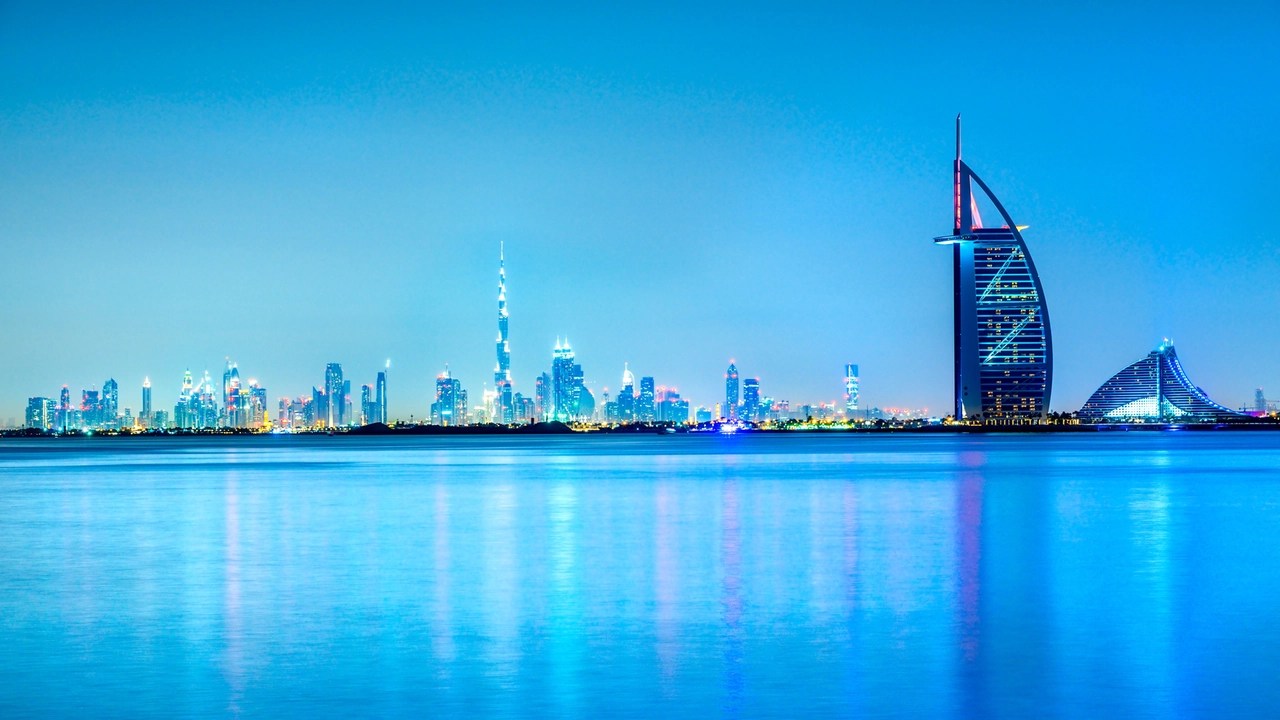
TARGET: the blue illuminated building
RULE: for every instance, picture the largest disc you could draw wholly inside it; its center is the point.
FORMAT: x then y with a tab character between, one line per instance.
1154	389
1003	346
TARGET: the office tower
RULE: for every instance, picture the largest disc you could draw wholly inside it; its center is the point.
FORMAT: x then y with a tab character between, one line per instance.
627	396
368	406
381	413
450	407
566	383
850	390
90	408
145	416
258	416
1155	388
110	402
64	409
1259	402
319	408
1003	344
671	407
284	413
333	390
346	403
159	420
702	415
750	399
731	392
645	410
234	413
542	397
226	391
40	412
504	412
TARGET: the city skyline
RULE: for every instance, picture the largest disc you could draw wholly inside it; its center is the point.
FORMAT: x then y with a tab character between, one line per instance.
166	207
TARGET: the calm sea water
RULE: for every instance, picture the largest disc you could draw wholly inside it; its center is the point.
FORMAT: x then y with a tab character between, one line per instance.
1080	576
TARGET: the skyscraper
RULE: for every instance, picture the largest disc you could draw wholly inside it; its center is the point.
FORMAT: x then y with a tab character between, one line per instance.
502	373
336	395
450	407
850	390
750	399
382	396
645	405
1003	345
566	383
1259	402
542	397
368	407
64	409
731	392
627	396
145	416
110	402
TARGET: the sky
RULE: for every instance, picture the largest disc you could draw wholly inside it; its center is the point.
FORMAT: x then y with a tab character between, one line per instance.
676	186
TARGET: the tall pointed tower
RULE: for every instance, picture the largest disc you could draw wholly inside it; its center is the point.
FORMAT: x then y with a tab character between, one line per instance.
1003	346
502	373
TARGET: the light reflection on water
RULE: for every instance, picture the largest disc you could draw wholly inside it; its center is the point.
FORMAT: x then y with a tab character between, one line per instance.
997	576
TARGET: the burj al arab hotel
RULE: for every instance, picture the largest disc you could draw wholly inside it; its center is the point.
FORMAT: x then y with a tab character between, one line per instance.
1003	345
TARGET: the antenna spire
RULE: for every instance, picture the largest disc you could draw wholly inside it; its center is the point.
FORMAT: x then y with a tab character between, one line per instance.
957	136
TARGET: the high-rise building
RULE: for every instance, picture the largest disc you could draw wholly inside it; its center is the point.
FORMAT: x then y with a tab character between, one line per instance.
671	407
646	412
382	395
627	397
40	413
850	390
90	408
319	408
336	395
566	383
731	392
1259	402
64	409
347	416
504	409
750	399
110	402
1003	344
227	390
450	407
145	416
542	397
368	405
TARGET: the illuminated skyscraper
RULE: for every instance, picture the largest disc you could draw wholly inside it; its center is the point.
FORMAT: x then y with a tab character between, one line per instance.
627	397
40	413
850	390
504	411
381	414
751	399
1003	345
646	409
368	406
566	383
110	402
450	407
145	416
336	395
542	397
64	409
731	392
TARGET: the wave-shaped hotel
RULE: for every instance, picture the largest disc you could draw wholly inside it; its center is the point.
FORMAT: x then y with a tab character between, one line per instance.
1153	389
1003	343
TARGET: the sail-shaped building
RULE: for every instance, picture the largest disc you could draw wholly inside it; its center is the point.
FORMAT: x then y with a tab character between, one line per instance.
1153	389
1003	345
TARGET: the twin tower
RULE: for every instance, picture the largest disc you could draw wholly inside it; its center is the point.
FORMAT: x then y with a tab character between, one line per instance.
1003	345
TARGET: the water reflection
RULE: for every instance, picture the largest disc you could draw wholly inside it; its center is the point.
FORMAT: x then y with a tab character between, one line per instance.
672	577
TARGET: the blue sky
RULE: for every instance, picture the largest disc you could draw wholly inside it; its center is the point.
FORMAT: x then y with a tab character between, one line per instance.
676	186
